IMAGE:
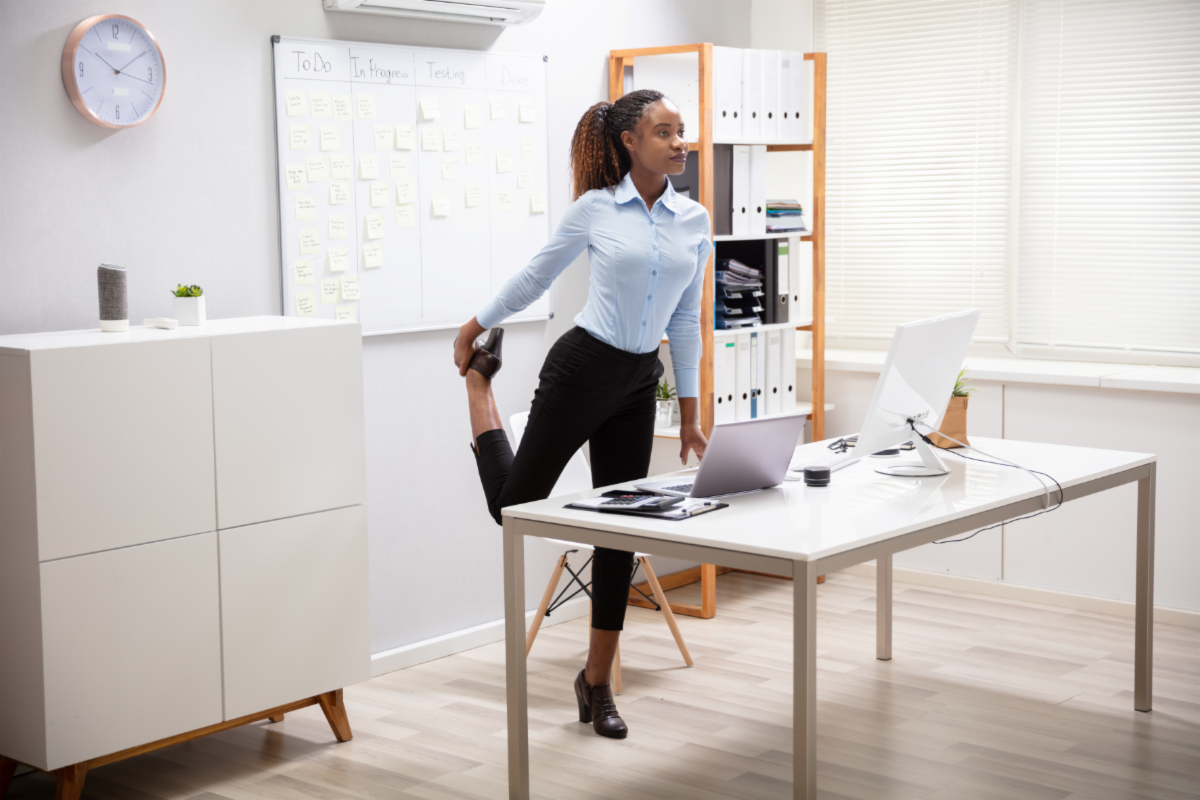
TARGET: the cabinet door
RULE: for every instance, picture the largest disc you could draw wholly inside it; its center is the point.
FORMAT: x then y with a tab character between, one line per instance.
132	644
294	609
124	445
288	407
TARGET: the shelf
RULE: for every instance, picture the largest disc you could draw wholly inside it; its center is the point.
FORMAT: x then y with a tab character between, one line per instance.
774	326
802	407
790	144
805	236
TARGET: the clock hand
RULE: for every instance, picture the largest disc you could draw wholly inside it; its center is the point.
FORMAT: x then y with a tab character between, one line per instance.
135	58
110	66
136	78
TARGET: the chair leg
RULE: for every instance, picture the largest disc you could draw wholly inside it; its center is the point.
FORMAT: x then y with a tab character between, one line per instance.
661	599
70	781
617	670
546	598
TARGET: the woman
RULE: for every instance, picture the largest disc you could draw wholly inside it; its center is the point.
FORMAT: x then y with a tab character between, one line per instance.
648	248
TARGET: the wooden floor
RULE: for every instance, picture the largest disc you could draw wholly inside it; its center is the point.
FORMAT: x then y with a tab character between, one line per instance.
984	700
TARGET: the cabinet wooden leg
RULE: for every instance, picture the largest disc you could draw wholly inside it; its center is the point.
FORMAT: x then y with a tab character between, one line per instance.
335	713
276	718
7	768
70	782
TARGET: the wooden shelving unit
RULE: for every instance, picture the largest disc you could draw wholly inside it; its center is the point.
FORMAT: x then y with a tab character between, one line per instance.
706	574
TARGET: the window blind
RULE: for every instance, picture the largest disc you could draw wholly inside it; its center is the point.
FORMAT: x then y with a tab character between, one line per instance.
1109	233
919	155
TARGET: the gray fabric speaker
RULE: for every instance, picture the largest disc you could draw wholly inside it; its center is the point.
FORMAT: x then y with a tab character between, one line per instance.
114	298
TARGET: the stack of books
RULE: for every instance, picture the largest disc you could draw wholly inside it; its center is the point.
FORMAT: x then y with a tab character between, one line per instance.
739	292
785	216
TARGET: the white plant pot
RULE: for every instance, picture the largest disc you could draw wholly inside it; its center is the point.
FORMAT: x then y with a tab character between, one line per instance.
664	415
189	310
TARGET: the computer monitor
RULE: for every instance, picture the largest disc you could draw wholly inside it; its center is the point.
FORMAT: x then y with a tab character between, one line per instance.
915	384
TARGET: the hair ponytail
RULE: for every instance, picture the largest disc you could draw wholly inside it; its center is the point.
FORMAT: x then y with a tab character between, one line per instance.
598	157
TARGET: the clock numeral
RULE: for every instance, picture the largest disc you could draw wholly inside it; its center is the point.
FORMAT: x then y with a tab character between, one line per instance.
150	73
118	112
116	31
81	69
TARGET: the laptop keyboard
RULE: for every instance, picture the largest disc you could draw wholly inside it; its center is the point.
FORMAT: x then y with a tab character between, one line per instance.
683	487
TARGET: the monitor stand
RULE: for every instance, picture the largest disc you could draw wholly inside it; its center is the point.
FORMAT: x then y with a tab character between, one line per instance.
931	466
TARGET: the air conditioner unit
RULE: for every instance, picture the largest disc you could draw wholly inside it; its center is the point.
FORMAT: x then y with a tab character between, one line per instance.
484	12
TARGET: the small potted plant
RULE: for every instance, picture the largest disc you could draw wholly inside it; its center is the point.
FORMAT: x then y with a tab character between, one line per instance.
954	423
665	397
189	304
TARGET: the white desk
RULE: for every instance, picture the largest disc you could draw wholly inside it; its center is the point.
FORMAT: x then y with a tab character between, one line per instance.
800	531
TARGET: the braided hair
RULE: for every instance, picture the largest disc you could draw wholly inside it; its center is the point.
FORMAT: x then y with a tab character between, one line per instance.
598	157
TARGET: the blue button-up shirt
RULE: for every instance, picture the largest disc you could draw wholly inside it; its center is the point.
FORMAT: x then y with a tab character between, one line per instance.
647	274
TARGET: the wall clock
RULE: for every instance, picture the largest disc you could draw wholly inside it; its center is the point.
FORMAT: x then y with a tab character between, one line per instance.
113	71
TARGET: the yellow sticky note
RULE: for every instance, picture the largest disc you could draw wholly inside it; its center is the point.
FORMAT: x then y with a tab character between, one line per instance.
528	147
452	138
297	176
293	101
339	193
474	153
499	106
299	135
344	313
306	303
331	137
474	195
342	105
405	135
383	136
329	291
406	216
527	113
450	167
472	116
504	201
339	226
379	194
310	241
303	273
537	203
429	138
441	205
339	259
429	107
318	169
320	104
406	192
375	228
306	208
350	287
368	168
524	178
504	161
373	255
399	165
341	167
366	105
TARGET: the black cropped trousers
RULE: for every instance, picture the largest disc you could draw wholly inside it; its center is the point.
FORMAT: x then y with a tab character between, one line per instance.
588	391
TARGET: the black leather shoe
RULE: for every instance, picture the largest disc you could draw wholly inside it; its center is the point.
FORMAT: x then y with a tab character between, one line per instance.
486	360
596	706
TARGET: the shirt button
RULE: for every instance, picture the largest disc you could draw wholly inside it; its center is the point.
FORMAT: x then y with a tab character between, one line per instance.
653	272
649	297
653	247
643	324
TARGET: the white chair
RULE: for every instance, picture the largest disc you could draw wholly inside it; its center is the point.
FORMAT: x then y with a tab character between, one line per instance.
577	477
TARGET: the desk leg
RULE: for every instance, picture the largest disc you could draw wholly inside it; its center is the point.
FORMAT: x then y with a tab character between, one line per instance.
883	608
1143	658
804	680
514	658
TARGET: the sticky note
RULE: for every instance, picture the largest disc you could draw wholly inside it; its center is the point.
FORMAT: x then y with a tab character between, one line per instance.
339	259
318	169
368	168
399	165
331	137
528	147
306	303
342	104
383	137
320	104
474	153
310	241
429	138
406	216
405	136
340	167
504	161
474	195
366	105
429	107
379	194
537	203
373	255
329	291
526	113
504	201
450	167
339	193
339	226
441	205
375	226
472	116
293	101
306	208
350	287
299	135
303	271
452	139
499	106
297	176
406	192
524	178
344	313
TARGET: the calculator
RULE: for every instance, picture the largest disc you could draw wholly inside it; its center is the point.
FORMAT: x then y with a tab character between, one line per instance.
641	502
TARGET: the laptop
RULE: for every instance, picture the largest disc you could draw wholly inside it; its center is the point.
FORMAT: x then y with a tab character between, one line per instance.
740	457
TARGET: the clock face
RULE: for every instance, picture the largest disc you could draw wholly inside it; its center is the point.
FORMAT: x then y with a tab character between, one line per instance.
117	74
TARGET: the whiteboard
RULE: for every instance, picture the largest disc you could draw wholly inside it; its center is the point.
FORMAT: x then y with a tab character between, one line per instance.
438	208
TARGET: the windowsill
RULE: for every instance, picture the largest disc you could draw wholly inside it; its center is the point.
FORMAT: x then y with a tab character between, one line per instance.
1178	380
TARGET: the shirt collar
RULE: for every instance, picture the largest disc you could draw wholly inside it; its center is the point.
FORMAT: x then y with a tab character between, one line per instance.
626	192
